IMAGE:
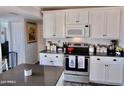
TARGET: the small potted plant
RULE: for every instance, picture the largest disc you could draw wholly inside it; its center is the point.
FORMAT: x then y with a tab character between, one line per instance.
119	51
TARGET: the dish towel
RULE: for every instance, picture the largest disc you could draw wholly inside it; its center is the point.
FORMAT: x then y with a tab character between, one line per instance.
81	62
72	61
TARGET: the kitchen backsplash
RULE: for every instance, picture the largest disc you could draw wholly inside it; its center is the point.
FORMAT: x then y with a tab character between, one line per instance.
80	40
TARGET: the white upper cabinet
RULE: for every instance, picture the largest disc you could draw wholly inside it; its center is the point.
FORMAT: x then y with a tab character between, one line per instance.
76	17
112	23
53	24
105	22
97	24
48	26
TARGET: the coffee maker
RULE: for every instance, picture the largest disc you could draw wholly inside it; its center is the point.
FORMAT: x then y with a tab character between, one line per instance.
111	48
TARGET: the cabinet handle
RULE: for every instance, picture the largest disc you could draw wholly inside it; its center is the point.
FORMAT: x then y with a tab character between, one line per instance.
104	35
114	60
98	58
54	35
106	65
77	21
51	61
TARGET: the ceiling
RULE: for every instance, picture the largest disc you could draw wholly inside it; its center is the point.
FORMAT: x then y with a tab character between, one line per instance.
33	12
28	12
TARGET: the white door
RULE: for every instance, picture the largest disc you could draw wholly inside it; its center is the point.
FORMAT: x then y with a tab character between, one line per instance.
112	23
97	72
60	25
97	24
48	25
77	17
115	73
18	40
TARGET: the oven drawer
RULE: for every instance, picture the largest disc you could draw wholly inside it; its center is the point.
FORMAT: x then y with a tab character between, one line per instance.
76	78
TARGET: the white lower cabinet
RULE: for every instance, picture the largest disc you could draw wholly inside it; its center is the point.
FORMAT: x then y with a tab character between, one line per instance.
97	73
51	59
106	70
115	73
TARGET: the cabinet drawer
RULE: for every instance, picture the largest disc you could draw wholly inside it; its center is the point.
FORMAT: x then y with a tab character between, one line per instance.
96	59
51	59
107	60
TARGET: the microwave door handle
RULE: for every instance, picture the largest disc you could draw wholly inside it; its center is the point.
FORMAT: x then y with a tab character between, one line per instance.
83	32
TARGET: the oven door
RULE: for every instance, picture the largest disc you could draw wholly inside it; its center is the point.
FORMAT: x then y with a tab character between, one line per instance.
81	67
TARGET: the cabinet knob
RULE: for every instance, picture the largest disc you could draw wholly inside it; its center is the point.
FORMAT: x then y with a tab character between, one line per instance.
114	60
45	56
51	61
98	58
56	56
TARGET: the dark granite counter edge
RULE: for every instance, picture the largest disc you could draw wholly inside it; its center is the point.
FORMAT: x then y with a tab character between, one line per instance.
45	51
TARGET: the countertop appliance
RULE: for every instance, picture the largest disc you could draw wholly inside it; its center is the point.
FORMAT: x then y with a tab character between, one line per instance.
77	63
111	48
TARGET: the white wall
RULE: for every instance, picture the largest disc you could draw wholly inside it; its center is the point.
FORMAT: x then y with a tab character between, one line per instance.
32	49
81	40
31	53
40	39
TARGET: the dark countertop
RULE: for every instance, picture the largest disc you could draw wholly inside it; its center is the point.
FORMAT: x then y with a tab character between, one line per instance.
45	51
100	54
104	55
42	76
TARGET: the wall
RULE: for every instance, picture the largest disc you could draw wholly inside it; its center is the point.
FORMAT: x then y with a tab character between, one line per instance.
83	40
31	53
31	48
40	39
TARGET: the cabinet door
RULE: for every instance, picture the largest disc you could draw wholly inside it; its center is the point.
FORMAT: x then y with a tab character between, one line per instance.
59	60
115	73
77	17
43	59
48	25
97	72
56	59
112	23
60	25
97	23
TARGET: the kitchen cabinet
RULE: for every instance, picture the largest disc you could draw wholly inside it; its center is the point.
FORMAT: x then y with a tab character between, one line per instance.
98	72
77	17
51	59
105	23
53	24
106	70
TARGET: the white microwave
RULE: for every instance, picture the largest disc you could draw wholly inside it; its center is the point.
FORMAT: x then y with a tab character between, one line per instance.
77	31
